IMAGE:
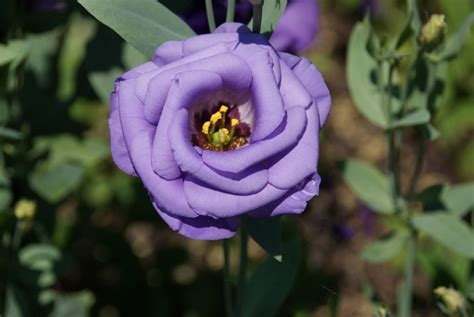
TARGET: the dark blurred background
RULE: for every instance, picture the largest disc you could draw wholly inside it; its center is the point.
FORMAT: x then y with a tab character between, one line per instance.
117	258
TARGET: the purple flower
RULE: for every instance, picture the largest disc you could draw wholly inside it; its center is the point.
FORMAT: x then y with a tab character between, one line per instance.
220	125
295	30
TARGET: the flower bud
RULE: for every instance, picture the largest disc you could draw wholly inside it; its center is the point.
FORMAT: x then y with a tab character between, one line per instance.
434	30
25	209
452	300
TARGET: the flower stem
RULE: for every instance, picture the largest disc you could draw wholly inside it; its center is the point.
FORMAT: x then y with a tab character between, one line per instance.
210	15
242	269
405	299
230	11
227	285
257	17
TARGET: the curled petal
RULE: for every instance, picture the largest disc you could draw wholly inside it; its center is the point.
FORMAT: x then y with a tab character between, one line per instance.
184	91
119	150
202	228
303	158
313	81
286	136
213	203
292	203
143	81
293	92
138	136
266	96
232	69
191	162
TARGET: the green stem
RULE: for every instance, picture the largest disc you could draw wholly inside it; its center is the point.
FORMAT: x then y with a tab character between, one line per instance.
210	15
227	285
405	300
230	11
257	17
242	269
471	266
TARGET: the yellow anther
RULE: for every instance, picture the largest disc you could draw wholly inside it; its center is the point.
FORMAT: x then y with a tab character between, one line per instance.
25	209
205	127
234	122
225	131
223	109
216	117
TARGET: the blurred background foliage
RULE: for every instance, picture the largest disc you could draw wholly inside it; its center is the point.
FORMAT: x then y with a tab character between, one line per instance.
80	238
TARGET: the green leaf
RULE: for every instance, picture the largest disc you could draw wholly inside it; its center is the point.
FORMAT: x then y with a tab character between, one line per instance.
267	233
5	198
145	24
54	182
272	12
39	59
68	148
73	305
448	230
385	248
14	305
414	14
361	76
14	51
271	282
369	184
429	132
46	279
11	134
131	57
103	83
80	32
417	117
454	44
40	257
457	199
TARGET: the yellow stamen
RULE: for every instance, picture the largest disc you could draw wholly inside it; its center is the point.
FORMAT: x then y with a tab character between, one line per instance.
234	122
223	109
205	127
216	117
225	131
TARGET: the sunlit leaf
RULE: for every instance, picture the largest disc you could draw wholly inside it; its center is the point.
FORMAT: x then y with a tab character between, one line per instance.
145	24
272	11
385	248
369	184
362	76
417	117
448	230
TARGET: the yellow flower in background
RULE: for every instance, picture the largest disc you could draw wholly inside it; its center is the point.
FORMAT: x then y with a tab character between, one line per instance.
452	300
25	209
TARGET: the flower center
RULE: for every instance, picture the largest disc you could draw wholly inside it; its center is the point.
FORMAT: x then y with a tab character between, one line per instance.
220	130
